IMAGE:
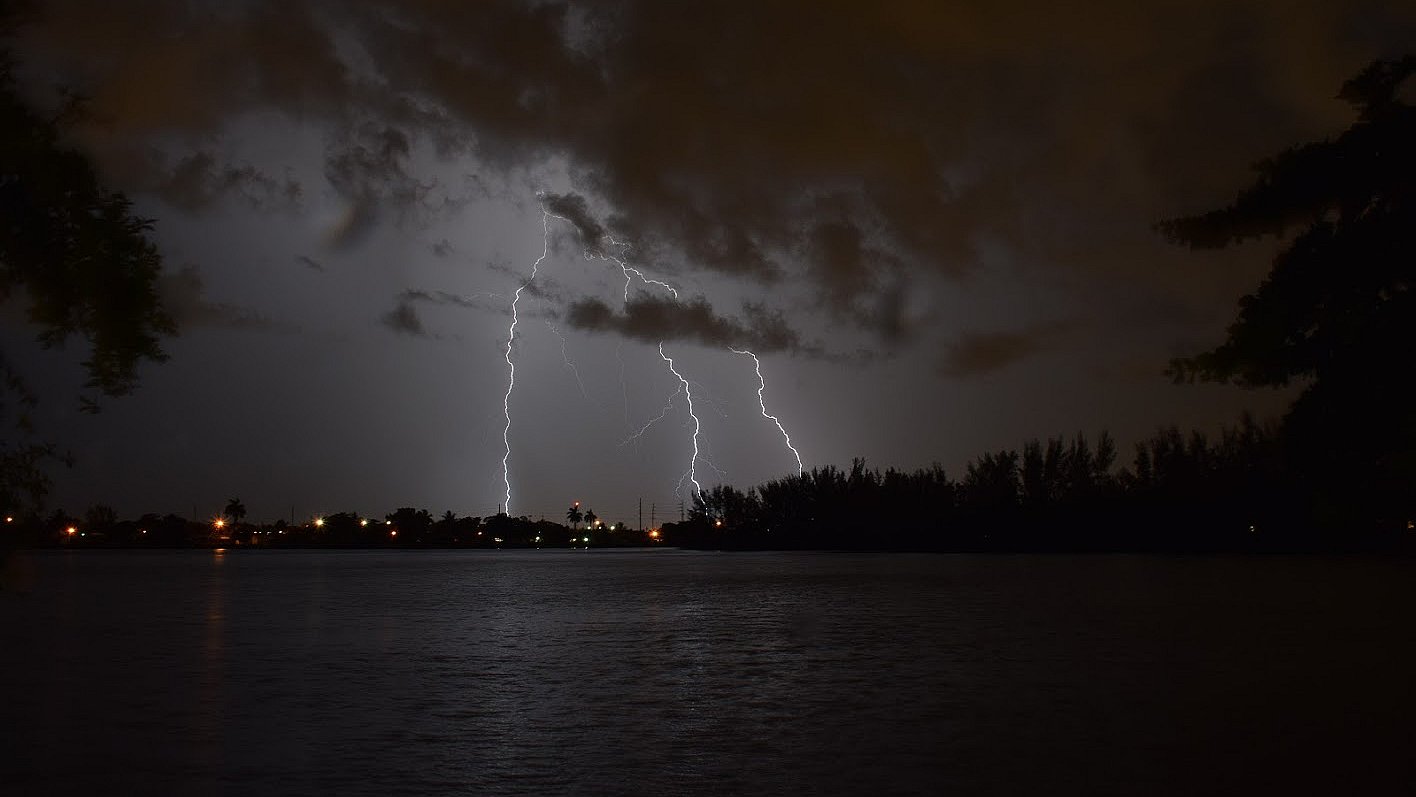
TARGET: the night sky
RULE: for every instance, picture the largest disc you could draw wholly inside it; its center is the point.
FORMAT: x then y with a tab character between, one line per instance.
933	222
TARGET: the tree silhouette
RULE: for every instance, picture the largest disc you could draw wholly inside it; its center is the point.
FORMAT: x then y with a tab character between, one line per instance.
1337	309
82	259
590	517
573	516
410	523
72	251
235	510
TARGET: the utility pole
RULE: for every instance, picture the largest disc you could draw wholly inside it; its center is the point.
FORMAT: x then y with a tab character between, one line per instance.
652	507
641	513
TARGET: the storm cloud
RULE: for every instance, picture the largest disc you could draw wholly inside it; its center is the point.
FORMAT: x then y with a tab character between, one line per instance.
574	209
918	137
651	320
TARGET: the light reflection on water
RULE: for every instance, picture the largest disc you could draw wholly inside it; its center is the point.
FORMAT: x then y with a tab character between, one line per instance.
292	672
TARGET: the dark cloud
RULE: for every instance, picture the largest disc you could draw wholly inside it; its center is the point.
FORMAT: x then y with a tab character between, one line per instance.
925	133
543	287
481	301
404	319
183	295
651	320
199	179
978	353
368	168
574	209
371	162
368	165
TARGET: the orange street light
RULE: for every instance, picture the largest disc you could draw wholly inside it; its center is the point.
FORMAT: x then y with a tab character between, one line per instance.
71	530
319	522
219	523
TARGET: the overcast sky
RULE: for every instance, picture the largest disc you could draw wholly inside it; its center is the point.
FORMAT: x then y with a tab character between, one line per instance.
931	221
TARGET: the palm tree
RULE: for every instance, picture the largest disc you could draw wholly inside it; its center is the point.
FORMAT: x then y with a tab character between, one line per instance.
574	515
235	510
590	517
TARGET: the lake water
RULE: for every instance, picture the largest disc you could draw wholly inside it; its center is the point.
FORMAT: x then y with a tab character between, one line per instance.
664	672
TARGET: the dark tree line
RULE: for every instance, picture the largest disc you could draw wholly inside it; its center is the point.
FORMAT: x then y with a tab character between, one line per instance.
1180	492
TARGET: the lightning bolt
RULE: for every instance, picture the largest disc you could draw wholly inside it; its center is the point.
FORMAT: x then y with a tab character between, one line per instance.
667	408
761	386
722	474
568	363
688	392
510	339
630	272
714	404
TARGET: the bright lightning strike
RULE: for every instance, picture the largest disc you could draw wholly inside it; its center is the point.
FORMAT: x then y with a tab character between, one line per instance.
688	392
510	339
761	386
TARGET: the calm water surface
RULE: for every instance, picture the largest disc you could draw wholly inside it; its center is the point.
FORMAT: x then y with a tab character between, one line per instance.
662	672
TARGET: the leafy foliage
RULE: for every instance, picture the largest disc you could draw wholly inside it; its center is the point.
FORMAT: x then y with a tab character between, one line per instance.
1337	307
82	260
81	263
1338	299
